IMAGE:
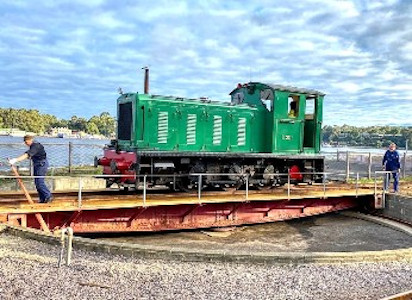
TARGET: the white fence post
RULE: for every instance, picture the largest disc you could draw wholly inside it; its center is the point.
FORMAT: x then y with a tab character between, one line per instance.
247	187
347	166
200	187
79	197
404	166
357	183
69	232
144	190
288	184
370	166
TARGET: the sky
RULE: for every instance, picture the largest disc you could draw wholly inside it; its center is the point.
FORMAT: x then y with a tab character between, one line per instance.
69	57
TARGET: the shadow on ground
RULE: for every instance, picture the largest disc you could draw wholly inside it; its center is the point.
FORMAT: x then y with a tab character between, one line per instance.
326	233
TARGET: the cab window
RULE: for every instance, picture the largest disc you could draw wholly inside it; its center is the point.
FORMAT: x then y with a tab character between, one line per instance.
266	96
310	108
293	106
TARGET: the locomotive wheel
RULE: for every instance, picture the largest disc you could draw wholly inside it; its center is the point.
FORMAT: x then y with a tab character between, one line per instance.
190	183
237	175
188	186
185	186
270	178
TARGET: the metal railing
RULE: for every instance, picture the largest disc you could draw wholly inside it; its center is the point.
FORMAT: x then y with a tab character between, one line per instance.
366	163
201	179
60	155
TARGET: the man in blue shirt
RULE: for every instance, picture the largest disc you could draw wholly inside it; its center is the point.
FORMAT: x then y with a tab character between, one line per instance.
40	164
391	163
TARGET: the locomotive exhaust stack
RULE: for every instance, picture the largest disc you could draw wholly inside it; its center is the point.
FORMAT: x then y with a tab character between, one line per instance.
146	80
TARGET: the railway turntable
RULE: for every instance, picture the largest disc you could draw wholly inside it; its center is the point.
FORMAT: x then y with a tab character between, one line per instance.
159	210
268	137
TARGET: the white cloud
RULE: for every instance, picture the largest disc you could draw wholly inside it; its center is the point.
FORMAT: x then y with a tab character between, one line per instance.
274	41
123	38
347	87
230	50
346	7
149	11
306	45
90	3
404	87
56	62
228	13
108	20
358	73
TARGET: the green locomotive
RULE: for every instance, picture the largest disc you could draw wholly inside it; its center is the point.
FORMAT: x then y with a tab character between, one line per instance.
265	130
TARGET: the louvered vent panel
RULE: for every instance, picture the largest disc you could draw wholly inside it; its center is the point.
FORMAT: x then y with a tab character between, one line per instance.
191	129
241	132
163	127
217	130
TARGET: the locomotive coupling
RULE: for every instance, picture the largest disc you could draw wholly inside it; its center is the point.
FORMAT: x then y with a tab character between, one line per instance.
119	165
114	164
104	161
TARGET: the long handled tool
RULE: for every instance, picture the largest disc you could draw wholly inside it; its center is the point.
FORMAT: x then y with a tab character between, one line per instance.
39	217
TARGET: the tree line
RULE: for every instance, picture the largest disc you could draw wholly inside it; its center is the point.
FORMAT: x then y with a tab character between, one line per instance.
372	136
33	121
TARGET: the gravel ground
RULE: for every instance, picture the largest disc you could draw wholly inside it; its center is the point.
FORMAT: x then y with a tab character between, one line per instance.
28	270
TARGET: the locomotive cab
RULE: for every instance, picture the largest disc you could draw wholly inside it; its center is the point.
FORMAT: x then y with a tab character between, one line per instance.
294	115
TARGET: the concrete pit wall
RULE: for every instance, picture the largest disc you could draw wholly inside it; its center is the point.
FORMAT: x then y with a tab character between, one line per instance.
398	207
56	184
88	183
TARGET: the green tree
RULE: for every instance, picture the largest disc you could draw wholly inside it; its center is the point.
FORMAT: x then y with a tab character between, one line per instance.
78	124
107	124
372	136
92	128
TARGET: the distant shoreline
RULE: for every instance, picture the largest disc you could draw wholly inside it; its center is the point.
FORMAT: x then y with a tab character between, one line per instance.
54	140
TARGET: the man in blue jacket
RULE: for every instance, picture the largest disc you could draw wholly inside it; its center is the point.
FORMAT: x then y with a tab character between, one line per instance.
391	163
40	164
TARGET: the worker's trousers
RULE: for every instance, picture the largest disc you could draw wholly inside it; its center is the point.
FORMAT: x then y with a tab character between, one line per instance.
40	169
395	175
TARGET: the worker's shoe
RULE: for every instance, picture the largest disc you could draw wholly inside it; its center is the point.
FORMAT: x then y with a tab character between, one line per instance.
48	200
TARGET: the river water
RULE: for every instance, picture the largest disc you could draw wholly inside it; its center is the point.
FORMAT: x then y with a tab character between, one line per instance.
57	149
